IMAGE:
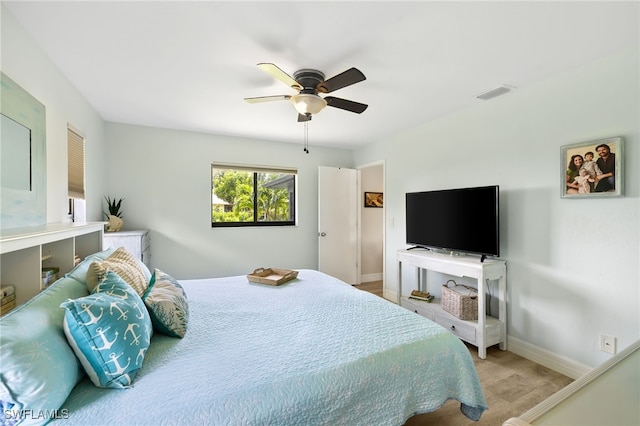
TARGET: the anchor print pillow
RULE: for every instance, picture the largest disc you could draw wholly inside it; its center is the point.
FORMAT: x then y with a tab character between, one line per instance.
109	331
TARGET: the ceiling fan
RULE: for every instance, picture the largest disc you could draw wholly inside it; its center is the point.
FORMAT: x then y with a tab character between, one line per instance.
308	83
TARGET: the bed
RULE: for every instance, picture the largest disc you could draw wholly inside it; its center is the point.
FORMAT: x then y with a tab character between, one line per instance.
312	351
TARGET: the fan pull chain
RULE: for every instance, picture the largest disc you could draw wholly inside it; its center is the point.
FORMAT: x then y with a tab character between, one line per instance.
306	137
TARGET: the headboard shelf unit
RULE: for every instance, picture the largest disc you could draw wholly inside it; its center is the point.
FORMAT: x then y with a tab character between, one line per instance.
25	251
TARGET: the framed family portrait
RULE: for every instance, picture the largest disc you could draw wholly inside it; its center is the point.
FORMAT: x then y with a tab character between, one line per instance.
593	169
373	199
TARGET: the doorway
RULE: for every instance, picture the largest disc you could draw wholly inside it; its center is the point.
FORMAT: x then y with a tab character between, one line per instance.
372	220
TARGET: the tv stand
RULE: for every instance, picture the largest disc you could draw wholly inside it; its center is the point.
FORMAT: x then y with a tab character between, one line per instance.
487	330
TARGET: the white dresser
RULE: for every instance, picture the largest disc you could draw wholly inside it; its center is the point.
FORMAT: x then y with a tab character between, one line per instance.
135	242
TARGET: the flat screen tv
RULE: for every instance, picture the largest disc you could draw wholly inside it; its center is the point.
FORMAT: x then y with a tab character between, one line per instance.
465	220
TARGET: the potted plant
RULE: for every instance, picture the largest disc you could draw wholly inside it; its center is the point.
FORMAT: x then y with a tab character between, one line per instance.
115	214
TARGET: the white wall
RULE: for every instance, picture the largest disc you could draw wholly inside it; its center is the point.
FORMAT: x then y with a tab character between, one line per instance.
572	264
165	179
25	63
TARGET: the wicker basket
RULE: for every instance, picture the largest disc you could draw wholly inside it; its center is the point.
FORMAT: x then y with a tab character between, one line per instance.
460	301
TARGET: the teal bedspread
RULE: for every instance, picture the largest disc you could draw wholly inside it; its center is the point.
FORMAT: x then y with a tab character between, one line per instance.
313	351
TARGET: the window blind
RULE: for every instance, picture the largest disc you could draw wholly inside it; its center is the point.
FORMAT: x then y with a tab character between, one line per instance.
75	157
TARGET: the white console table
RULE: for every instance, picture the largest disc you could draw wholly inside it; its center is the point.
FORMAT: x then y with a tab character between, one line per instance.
487	330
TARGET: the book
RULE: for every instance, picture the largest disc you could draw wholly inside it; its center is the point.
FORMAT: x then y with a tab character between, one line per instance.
48	280
7	299
49	275
418	293
7	307
6	290
425	299
52	270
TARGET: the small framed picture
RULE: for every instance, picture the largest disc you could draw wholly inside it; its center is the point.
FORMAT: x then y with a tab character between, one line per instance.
373	199
592	169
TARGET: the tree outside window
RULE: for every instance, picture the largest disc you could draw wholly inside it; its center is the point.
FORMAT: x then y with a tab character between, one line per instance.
245	196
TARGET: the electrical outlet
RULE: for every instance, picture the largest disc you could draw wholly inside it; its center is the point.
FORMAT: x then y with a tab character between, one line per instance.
608	344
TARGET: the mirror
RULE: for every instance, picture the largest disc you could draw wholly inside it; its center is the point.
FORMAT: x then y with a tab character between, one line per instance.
22	157
15	155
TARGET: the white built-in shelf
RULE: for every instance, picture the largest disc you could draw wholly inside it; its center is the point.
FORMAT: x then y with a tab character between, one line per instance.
25	251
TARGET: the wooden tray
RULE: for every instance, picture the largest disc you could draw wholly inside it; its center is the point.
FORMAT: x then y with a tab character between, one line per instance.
272	276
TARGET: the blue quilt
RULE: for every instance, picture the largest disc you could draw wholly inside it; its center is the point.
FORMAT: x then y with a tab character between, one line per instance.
313	351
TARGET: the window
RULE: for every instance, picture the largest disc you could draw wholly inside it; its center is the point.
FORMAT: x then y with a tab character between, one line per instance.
75	167
252	196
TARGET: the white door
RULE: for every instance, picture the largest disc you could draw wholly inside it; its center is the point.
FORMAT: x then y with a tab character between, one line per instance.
338	223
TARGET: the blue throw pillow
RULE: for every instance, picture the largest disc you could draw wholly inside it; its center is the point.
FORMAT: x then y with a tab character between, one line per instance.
167	304
109	331
38	369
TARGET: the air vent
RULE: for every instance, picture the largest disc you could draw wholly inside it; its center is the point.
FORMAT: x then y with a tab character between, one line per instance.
494	93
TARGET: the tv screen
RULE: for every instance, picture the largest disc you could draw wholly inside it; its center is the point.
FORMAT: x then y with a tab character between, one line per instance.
458	220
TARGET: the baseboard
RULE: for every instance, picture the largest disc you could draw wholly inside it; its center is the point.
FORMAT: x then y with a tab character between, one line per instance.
562	365
365	278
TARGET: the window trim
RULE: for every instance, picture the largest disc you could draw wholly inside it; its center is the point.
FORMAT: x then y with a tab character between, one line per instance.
255	169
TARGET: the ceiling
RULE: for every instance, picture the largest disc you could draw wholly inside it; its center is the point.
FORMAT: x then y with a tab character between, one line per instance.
189	65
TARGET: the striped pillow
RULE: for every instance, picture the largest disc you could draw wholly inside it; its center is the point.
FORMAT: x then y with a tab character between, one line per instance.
122	263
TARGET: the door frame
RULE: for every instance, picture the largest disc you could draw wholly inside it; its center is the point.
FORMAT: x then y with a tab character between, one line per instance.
384	223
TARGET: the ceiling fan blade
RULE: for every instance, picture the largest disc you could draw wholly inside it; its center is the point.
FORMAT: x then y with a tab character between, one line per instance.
344	79
345	104
277	73
303	117
267	98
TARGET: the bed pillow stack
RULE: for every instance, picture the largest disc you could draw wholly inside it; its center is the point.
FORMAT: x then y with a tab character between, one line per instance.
110	329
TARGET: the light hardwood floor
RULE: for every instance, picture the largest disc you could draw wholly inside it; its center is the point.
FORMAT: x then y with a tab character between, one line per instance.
511	385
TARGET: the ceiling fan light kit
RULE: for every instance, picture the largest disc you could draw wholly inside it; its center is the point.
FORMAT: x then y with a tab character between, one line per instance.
306	103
